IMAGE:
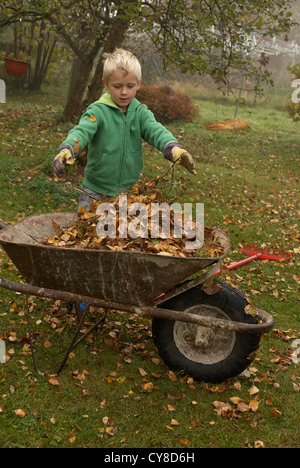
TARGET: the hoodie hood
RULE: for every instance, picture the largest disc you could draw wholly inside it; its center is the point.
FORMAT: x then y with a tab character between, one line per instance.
107	100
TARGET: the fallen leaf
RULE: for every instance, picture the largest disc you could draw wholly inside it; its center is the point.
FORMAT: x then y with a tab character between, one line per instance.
269	401
253	390
53	381
276	412
19	412
236	400
47	344
174	422
223	409
253	405
57	228
276	293
242	407
148	387
250	310
237	385
259	444
155	361
210	287
296	387
172	376
184	441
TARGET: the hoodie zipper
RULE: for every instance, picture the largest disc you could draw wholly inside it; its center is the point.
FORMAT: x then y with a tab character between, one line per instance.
123	149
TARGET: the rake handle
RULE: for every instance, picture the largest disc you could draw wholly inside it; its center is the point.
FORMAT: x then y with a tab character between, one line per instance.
242	262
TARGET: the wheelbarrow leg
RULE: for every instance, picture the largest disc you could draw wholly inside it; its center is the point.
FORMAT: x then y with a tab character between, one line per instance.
74	342
79	310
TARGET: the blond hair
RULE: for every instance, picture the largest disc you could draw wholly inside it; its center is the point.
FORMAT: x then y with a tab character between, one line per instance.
123	60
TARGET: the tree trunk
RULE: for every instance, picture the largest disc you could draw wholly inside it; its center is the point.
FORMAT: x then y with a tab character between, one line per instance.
114	39
43	57
80	74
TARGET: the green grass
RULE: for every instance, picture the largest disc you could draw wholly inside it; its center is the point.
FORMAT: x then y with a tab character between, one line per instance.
249	183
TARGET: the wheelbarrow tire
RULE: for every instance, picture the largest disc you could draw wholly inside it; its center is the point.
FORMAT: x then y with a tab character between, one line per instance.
218	354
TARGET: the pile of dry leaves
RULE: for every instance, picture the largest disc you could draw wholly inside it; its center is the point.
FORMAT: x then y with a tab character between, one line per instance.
83	233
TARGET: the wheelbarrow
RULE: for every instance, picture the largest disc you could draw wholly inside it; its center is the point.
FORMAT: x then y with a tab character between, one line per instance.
200	330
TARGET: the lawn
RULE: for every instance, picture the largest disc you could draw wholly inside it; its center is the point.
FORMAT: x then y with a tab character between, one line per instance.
115	391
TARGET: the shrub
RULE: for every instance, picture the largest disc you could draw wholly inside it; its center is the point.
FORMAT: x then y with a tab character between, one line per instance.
167	104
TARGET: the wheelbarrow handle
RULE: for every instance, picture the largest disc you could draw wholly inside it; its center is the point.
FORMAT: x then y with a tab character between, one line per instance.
2	225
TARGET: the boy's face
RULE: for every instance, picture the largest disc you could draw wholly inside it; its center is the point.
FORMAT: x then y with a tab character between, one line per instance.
122	88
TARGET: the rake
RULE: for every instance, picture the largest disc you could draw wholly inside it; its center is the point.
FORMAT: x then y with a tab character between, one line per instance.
257	252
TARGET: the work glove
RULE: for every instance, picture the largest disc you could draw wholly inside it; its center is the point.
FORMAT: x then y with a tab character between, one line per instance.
64	156
182	157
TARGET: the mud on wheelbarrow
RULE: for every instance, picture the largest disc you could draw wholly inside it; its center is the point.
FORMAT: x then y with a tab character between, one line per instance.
201	331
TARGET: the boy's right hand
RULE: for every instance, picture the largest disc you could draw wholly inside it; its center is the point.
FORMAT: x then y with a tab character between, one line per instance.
64	157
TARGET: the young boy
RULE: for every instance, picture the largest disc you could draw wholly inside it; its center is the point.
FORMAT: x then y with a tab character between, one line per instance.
113	129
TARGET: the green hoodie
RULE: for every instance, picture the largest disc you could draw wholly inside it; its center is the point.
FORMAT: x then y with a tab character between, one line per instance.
115	155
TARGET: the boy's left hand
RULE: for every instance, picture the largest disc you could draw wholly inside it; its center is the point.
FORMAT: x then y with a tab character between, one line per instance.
183	157
62	158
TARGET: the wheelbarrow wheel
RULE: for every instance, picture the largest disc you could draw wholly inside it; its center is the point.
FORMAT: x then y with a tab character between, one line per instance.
206	354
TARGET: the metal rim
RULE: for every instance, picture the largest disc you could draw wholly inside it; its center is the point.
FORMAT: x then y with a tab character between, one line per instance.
204	345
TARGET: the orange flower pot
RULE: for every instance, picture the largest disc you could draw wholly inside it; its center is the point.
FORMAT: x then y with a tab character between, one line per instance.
15	67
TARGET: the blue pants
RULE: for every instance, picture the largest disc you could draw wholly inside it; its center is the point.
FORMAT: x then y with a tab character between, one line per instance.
87	197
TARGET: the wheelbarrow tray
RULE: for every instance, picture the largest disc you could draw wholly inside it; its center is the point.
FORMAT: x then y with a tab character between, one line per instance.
126	277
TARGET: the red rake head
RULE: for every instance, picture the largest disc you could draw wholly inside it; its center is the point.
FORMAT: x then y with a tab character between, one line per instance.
266	253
